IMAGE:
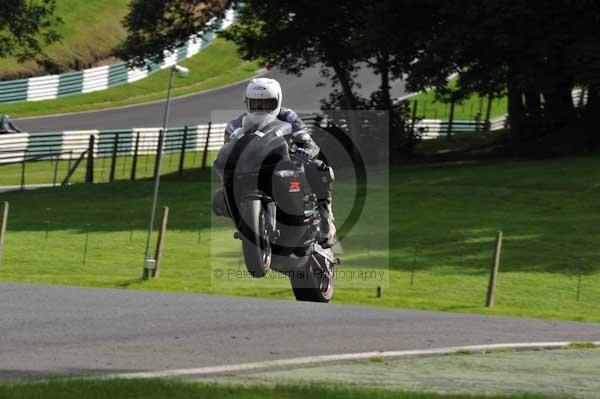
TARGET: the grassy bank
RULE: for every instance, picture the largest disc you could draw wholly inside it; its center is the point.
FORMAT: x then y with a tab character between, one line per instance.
430	108
442	225
150	389
90	31
215	66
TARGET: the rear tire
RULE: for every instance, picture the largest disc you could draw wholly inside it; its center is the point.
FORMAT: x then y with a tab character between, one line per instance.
256	246
313	285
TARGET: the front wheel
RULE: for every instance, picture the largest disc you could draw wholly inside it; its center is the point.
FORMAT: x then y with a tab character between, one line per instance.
313	284
255	244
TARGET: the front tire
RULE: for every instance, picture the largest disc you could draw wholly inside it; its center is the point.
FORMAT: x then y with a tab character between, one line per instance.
255	244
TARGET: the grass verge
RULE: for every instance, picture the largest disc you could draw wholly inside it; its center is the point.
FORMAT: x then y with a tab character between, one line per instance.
442	225
150	389
429	108
216	66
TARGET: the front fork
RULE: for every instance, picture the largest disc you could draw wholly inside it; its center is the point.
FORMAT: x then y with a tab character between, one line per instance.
271	220
272	234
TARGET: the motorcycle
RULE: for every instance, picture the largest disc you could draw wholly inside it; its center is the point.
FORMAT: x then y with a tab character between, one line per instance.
268	196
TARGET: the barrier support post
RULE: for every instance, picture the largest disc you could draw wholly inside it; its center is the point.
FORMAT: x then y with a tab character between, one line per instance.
183	148
205	155
3	223
89	173
115	152
57	160
135	157
23	171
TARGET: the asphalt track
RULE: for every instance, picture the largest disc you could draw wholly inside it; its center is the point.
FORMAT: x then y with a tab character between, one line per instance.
300	93
66	331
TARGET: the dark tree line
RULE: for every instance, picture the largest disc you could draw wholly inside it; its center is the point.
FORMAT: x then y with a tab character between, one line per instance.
535	52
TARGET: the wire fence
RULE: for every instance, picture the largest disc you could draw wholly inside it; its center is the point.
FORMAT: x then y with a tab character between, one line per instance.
101	242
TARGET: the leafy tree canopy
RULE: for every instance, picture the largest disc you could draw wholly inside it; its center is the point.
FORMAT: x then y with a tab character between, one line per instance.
157	25
27	26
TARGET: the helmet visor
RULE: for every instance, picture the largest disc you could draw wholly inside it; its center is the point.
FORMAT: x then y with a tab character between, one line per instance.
261	104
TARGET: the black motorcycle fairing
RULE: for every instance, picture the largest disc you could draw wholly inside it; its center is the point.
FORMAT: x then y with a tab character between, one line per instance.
253	151
257	165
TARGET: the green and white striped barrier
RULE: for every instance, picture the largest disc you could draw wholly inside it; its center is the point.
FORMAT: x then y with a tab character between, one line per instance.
101	78
19	147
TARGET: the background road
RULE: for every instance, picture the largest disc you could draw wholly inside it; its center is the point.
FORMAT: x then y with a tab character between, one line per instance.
54	330
299	93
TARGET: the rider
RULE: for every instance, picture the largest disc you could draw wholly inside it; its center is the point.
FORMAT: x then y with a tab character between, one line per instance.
7	125
263	104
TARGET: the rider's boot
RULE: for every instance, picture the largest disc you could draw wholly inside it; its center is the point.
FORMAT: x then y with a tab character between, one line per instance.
327	232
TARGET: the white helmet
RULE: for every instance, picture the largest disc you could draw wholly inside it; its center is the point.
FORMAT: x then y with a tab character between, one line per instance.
263	100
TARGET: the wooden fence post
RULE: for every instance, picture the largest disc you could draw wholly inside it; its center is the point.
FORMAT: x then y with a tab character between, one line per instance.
205	155
89	173
3	223
183	148
161	241
135	156
494	272
115	152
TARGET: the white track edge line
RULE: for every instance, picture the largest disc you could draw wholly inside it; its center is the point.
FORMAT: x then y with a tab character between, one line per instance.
300	361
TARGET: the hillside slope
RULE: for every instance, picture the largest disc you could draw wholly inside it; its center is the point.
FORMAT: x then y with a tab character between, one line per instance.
90	31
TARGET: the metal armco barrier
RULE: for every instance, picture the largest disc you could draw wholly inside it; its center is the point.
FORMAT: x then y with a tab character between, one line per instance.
101	78
19	147
434	128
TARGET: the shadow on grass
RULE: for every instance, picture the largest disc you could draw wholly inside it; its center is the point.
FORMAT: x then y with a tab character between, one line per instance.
124	206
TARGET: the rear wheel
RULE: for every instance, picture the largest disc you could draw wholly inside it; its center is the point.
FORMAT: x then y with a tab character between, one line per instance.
313	284
255	244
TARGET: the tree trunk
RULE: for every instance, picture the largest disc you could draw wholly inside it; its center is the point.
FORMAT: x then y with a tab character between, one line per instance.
384	69
593	100
533	102
395	140
559	104
349	99
345	81
515	110
592	110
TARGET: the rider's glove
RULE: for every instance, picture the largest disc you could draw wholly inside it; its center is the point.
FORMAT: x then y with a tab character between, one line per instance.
302	153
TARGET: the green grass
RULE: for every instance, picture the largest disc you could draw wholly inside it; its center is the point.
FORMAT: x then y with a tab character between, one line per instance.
42	172
215	66
581	345
442	225
429	108
90	31
151	389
